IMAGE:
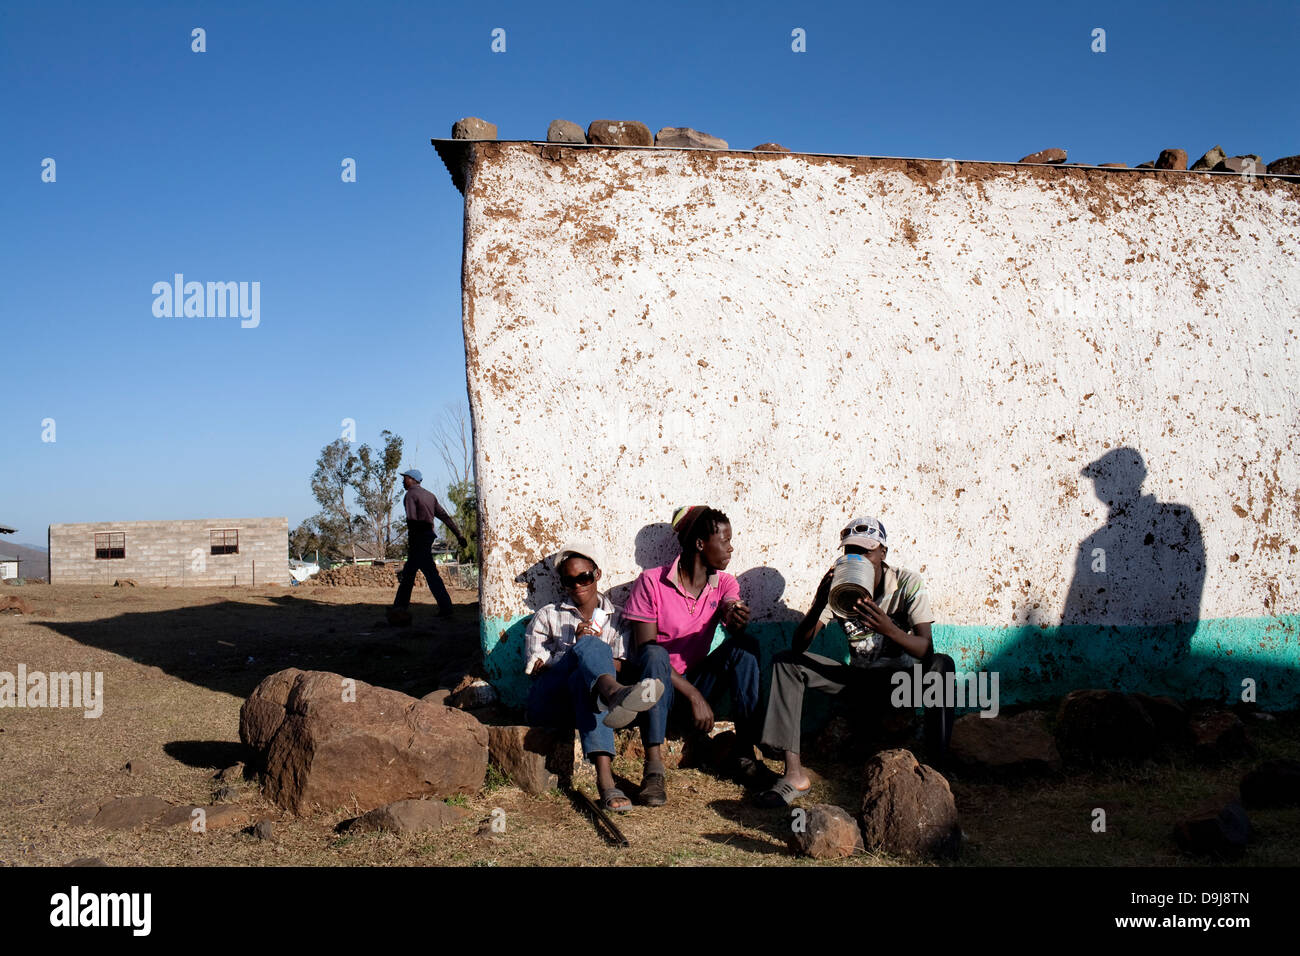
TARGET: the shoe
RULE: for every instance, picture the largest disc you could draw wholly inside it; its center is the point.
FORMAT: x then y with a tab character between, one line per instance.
653	792
753	774
631	701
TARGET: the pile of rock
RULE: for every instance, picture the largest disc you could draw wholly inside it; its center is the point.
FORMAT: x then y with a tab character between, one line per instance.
633	133
907	810
363	576
1221	828
611	133
1214	161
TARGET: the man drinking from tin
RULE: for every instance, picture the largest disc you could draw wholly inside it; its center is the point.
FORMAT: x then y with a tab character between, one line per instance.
887	628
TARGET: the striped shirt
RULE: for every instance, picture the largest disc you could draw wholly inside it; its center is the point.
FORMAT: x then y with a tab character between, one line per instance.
552	630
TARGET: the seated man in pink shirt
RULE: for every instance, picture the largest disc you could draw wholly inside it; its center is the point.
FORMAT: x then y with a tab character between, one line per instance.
678	608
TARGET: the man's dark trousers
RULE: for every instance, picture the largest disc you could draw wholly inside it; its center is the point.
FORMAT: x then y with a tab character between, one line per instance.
420	558
731	666
794	673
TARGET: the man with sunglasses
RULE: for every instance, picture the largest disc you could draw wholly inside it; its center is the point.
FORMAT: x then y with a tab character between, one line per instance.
576	651
889	632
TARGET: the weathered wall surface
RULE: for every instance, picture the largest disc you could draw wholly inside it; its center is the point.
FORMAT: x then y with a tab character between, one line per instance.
174	553
800	339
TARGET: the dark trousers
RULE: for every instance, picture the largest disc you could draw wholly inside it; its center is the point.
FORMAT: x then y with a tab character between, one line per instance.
794	674
733	666
420	558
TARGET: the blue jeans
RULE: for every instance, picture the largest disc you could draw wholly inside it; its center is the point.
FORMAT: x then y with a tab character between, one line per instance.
563	694
733	667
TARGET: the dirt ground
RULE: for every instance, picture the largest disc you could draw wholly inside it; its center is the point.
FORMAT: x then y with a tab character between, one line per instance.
178	663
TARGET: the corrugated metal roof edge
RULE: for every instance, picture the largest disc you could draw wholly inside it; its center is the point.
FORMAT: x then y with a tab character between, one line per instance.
452	153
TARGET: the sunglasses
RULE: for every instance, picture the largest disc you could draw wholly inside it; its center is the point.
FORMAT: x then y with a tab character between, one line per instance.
574	580
860	529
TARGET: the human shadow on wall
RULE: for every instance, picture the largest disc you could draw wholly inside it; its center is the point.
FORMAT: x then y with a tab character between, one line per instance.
763	589
1133	603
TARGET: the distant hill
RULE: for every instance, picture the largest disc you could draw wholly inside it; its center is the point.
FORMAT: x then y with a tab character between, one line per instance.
33	562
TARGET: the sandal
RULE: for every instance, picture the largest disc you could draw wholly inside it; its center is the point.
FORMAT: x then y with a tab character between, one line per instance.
608	797
782	794
631	701
653	792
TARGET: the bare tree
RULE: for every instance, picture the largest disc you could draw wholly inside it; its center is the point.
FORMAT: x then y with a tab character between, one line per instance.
454	439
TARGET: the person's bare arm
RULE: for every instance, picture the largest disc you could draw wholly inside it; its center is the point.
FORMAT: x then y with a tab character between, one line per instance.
811	624
449	521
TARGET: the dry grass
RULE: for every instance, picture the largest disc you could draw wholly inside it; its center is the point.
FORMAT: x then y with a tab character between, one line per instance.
177	667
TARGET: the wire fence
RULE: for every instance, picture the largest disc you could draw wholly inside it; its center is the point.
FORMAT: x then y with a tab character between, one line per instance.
463	576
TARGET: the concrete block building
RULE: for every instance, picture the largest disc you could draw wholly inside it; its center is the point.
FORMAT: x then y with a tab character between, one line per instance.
189	553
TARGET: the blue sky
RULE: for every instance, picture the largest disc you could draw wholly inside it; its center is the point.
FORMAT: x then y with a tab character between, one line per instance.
225	166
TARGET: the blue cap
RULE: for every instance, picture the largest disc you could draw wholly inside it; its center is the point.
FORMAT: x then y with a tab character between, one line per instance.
415	474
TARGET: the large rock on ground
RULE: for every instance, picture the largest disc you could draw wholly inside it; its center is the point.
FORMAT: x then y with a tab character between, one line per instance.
407	816
1006	746
1104	725
324	742
1169	718
619	133
14	603
774	148
824	832
1219	735
120	813
907	808
1220	829
535	758
1274	783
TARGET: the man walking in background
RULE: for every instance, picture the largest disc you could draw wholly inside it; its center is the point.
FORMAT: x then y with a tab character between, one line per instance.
422	508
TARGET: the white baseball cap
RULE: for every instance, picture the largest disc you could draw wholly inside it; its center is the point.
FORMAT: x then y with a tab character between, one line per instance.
578	548
866	533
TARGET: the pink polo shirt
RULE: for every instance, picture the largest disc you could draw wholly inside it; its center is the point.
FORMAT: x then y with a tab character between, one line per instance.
686	624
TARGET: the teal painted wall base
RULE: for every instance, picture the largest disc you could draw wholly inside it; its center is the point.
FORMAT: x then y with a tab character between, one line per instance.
1209	658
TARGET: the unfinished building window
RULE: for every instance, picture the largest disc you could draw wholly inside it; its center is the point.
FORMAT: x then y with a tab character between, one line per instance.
225	542
110	545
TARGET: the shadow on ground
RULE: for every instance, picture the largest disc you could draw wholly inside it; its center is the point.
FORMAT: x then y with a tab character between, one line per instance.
231	645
